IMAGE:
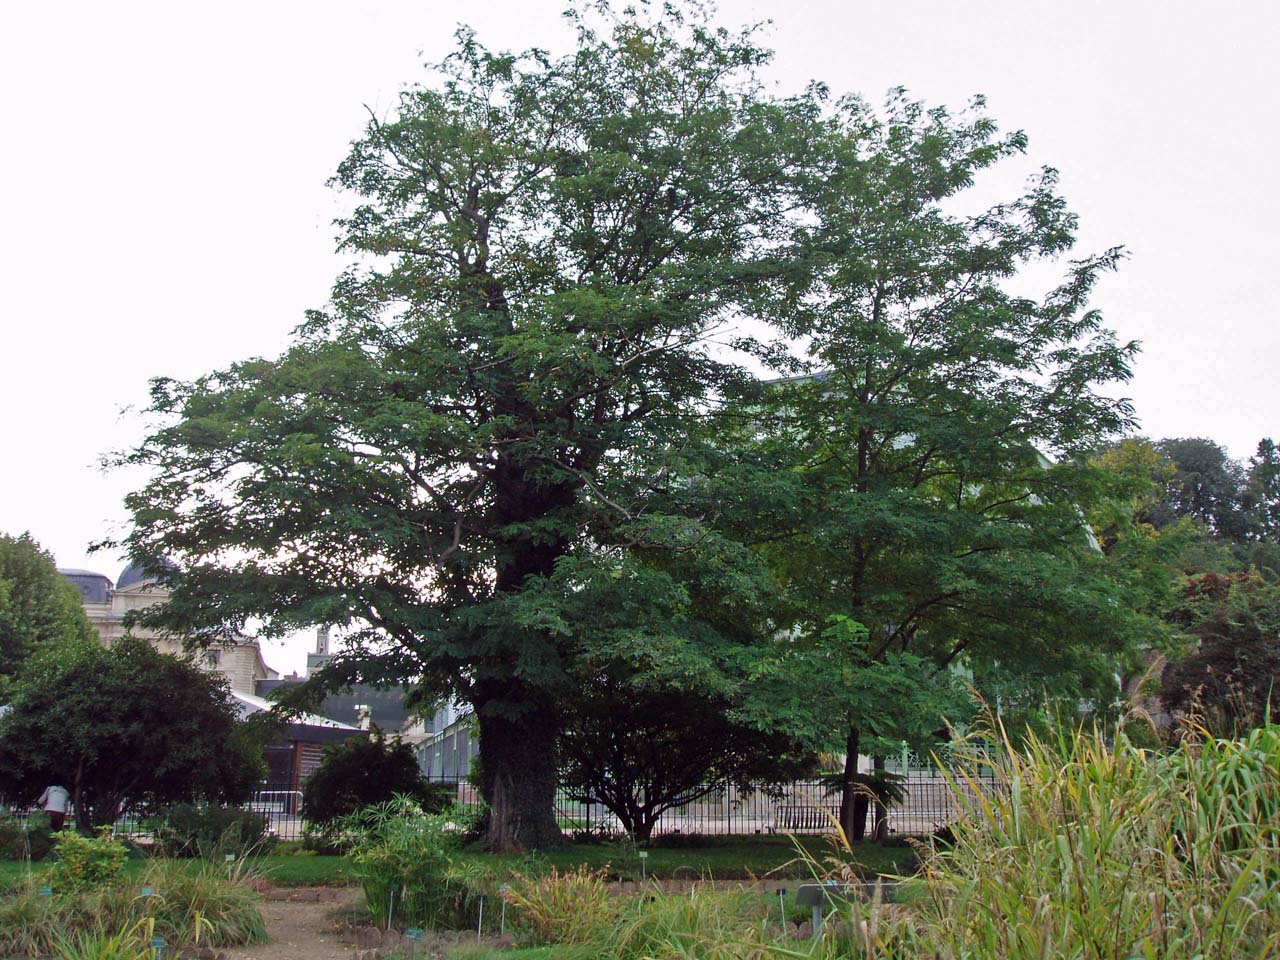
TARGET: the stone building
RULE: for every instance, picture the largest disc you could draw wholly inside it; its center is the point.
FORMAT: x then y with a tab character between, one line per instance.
106	605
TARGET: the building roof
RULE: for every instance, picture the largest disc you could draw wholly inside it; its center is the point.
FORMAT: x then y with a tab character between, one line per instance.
93	587
247	705
136	573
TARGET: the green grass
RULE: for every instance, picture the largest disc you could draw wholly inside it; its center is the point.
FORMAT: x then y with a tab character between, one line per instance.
282	871
317	871
728	858
720	859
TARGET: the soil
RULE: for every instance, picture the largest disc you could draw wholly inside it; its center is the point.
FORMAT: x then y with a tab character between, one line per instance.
302	927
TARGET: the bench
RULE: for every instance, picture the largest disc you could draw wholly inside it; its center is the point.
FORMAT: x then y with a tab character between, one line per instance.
790	817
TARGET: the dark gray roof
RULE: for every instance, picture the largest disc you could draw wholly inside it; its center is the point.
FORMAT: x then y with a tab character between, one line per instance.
137	573
93	587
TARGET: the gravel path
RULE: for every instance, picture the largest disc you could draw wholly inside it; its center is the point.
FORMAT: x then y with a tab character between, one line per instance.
301	929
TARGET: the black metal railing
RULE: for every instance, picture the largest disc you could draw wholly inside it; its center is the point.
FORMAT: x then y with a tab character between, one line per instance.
804	807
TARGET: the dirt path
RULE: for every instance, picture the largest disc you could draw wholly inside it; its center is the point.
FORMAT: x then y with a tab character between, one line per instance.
301	928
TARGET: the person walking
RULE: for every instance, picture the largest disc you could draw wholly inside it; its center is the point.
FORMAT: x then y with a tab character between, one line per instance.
54	802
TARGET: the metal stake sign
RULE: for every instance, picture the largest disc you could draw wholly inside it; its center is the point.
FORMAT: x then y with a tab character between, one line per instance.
413	935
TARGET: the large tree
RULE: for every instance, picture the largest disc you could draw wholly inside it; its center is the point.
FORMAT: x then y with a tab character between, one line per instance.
125	728
39	610
938	440
487	413
1206	486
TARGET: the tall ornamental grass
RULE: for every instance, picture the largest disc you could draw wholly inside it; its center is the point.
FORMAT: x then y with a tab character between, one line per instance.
214	905
1099	850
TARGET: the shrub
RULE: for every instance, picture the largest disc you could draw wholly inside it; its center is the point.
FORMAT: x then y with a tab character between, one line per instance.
403	859
700	924
214	906
97	945
358	772
30	839
560	908
186	830
84	863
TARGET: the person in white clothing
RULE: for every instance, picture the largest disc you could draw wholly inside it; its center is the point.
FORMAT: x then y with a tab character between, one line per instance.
54	802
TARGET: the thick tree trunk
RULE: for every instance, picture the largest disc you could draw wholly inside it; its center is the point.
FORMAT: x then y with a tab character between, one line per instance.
853	801
518	769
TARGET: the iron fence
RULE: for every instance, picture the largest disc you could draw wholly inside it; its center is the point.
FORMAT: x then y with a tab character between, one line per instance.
804	807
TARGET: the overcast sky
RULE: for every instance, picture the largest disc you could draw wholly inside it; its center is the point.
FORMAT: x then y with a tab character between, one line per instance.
165	209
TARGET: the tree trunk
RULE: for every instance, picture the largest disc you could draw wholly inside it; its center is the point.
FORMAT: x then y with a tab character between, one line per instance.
881	831
853	801
84	823
518	772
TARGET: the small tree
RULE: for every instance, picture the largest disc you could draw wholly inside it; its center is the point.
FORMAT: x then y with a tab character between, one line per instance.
361	771
125	729
640	753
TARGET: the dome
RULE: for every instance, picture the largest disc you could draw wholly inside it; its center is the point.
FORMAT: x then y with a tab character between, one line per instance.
136	573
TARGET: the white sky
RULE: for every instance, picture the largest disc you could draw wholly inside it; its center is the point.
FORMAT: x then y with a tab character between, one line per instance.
164	209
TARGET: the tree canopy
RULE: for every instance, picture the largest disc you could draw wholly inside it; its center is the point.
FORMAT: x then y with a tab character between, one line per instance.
125	728
39	610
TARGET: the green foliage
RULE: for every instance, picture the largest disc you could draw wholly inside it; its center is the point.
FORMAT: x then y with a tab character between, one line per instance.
188	830
125	729
1126	853
933	481
1229	683
98	945
1262	495
704	924
131	944
573	907
39	610
404	860
86	863
641	751
1087	848
497	459
211	906
1206	486
26	839
214	904
360	771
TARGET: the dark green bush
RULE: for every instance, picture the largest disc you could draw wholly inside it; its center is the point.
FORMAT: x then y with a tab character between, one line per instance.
26	839
186	830
359	772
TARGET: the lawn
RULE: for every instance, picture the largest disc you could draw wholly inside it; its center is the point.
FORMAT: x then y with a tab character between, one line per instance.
722	859
728	858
